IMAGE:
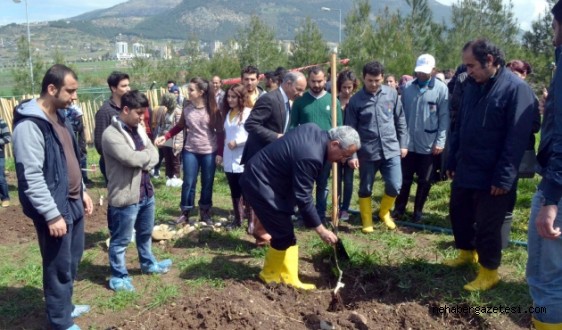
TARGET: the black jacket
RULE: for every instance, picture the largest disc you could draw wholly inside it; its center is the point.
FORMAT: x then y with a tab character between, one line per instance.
491	132
282	174
266	120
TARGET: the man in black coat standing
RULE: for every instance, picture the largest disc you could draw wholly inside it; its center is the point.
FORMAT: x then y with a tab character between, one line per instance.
270	117
268	121
281	176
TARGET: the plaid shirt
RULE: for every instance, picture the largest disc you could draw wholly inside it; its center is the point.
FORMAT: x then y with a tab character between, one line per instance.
5	136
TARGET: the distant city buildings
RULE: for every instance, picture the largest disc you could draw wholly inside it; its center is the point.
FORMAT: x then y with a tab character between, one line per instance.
122	51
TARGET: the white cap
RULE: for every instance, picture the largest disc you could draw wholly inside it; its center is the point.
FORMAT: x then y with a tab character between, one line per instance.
425	64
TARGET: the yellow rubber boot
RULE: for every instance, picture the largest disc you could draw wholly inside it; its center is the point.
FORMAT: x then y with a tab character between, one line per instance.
465	257
290	270
272	266
486	279
366	211
283	267
387	203
546	326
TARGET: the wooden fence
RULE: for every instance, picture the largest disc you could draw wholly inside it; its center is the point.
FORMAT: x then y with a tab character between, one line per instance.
89	109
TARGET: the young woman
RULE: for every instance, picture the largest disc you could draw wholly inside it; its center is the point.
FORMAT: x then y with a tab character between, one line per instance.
347	85
236	111
203	121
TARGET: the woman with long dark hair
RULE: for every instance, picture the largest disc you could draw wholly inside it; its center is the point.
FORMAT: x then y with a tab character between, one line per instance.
235	112
204	125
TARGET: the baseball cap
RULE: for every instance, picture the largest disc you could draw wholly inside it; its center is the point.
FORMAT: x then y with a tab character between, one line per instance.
425	64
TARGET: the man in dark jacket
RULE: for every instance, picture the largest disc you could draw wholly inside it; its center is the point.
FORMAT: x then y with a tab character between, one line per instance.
51	191
281	176
544	265
118	83
487	144
268	121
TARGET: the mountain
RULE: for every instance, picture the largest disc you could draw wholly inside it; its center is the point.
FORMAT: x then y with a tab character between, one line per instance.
92	35
221	19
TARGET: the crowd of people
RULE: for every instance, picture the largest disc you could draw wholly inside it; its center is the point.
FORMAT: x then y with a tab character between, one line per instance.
277	146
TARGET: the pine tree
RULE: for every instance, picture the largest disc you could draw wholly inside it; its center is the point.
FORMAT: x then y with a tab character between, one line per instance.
309	47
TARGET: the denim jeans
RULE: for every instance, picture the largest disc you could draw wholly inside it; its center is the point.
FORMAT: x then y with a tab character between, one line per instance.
544	266
61	257
121	221
322	190
391	174
4	191
346	180
191	164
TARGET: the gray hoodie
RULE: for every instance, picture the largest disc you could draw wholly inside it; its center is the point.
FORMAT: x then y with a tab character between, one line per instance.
40	164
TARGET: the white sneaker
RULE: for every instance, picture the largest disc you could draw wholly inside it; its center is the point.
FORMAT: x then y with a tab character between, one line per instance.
175	182
344	216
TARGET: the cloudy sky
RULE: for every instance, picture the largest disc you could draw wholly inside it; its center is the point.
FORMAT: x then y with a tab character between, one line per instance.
525	11
44	10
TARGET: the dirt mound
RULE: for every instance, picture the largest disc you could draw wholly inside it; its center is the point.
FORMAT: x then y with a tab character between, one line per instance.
252	305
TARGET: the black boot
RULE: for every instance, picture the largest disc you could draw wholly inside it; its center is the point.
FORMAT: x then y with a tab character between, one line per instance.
422	192
205	214
238	210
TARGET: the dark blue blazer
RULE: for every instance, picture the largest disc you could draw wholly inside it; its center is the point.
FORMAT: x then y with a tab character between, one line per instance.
283	173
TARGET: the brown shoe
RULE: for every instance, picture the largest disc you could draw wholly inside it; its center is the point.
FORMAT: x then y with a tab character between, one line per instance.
6	203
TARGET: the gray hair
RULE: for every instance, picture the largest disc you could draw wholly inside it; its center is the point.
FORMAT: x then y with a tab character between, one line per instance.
346	136
292	76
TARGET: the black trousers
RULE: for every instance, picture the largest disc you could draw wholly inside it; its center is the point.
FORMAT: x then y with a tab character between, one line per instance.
421	165
278	224
234	184
477	218
61	257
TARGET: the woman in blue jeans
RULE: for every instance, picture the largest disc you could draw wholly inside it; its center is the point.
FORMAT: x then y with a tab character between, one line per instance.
347	85
203	123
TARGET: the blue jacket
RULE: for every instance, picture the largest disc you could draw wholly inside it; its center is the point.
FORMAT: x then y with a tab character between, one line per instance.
41	164
380	122
550	147
491	133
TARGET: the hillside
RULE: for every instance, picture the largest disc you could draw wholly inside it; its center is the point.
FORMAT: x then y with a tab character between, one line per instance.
216	19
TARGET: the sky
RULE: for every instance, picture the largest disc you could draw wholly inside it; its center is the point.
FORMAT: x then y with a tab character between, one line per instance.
45	10
526	11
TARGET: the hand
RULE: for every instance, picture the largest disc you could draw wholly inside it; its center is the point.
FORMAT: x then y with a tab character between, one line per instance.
218	160
497	191
545	222
88	204
450	174
403	153
160	141
279	135
436	150
232	144
57	227
326	235
353	163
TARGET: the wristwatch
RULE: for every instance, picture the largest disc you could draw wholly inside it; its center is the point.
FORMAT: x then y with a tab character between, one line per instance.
548	202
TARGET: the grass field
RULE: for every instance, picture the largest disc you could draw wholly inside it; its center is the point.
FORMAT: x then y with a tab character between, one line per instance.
402	263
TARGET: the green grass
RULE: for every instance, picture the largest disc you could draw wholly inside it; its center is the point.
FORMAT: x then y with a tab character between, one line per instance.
390	266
